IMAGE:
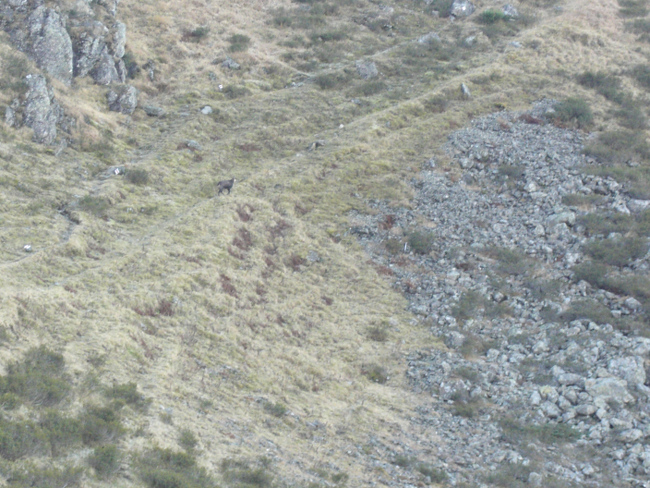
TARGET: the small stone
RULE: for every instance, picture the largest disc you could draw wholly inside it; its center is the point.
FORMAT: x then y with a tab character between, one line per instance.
550	410
629	436
230	63
464	90
27	248
461	8
535	479
367	69
207	110
153	111
585	410
193	145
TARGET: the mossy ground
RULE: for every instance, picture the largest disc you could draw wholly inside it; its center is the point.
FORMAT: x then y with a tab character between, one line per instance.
210	303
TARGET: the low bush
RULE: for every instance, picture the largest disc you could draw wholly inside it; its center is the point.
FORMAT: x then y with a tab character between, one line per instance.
605	223
510	262
187	440
375	373
236	91
378	333
468	306
105	460
21	438
436	105
97	206
31	476
38	378
492	17
633	8
589	310
329	81
640	27
100	425
275	409
617	252
164	468
606	84
420	242
573	112
517	432
137	176
62	433
434	474
239	42
618	147
246	474
128	394
369	88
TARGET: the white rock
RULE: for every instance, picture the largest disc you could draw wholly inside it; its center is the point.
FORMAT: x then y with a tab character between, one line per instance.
535	398
631	369
608	388
207	110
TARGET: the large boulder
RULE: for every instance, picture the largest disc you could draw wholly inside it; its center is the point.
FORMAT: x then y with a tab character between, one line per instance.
631	369
51	46
105	72
41	112
123	99
87	51
366	69
608	389
118	41
461	8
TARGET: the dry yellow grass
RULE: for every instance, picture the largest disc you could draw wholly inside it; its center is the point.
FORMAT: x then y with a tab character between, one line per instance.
253	317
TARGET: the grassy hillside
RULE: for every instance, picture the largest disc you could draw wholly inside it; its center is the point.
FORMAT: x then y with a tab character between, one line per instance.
253	322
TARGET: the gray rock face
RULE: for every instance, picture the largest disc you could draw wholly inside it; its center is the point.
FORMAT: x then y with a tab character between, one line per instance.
367	69
42	112
104	72
230	63
123	99
119	39
153	111
461	8
608	388
510	11
51	44
87	51
631	369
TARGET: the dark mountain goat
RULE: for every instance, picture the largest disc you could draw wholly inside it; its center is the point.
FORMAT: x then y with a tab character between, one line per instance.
226	185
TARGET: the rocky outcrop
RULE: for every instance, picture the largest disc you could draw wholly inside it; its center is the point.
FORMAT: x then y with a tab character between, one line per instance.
366	69
123	99
461	8
41	111
525	346
50	44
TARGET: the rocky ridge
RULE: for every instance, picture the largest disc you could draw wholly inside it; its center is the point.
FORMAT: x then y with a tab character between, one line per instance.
528	387
88	41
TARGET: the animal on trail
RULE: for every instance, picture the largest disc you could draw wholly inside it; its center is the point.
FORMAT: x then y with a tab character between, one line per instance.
226	185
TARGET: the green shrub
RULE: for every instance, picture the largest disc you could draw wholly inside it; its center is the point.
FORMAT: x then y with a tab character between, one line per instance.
511	262
517	432
329	81
236	91
442	6
275	409
491	17
393	246
468	306
328	36
94	205
605	84
62	433
592	272
246	474
633	8
589	310
198	34
21	438
420	242
435	475
617	252
605	223
132	68
105	460
38	378
640	27
239	42
187	440
128	394
402	460
579	200
631	116
369	88
378	333
164	468
436	104
619	147
137	176
100	425
30	476
375	373
573	112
